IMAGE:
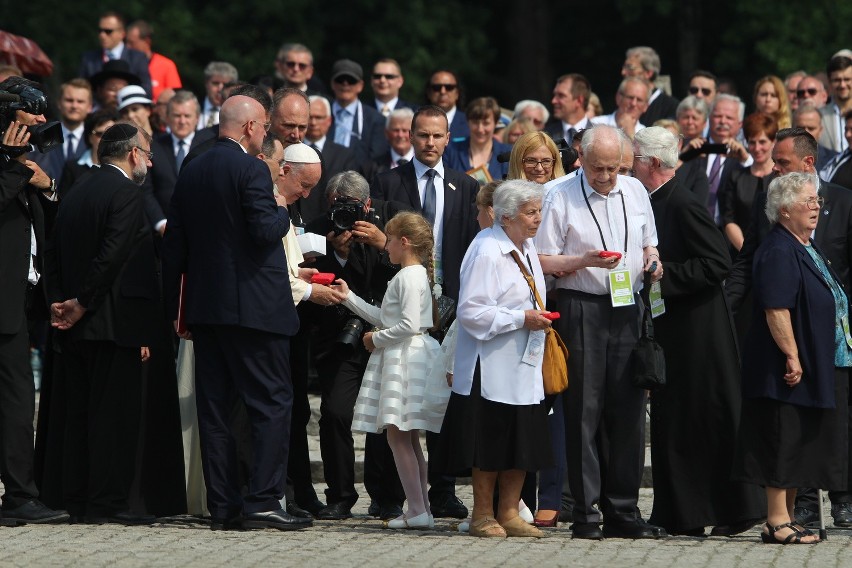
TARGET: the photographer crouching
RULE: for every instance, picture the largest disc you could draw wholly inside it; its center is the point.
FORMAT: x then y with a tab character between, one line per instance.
25	194
356	253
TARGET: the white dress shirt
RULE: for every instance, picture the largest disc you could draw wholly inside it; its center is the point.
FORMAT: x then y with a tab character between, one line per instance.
438	229
567	228
493	298
609	119
395	158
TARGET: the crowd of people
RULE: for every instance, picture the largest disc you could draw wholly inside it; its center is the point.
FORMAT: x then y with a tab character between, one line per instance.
170	261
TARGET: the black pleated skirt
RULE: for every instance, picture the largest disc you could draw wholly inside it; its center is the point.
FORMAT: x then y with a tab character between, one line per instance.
491	436
789	446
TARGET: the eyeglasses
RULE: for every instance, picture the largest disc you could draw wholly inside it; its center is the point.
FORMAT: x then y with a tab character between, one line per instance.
266	125
297	65
813	203
346	80
148	153
810	92
106	31
437	87
703	90
545	163
387	76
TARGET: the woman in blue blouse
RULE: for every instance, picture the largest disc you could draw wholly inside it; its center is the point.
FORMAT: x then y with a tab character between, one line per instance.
795	364
480	149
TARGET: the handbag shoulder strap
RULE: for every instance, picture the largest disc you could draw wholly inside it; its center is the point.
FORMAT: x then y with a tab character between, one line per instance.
528	277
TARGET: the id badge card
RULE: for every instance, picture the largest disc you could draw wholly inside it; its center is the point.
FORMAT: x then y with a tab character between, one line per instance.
658	305
621	288
534	353
845	322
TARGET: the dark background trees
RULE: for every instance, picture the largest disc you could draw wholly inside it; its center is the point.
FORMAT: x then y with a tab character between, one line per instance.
511	49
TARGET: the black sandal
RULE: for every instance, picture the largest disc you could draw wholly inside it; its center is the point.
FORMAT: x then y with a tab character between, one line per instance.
795	537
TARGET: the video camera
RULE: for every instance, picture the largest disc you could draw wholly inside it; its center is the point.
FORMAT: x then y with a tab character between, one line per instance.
31	100
346	211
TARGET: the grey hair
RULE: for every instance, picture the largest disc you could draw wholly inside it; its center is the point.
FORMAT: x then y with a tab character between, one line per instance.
348	184
657	142
648	58
731	98
297	47
183	96
693	103
806	107
321	100
399	114
627	80
784	190
590	136
511	195
221	68
529	103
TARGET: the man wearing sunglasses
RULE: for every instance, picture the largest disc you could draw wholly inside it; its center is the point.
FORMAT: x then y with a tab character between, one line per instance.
703	85
295	65
356	125
443	91
387	80
111	34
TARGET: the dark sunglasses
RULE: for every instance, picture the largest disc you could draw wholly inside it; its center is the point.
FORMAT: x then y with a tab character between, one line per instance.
438	86
296	65
106	31
388	76
802	92
346	80
703	90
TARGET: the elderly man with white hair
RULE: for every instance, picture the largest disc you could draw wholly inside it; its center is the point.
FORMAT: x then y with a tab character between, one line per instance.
598	235
535	111
692	486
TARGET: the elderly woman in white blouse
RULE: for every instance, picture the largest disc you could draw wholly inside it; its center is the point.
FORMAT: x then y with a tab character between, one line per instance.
496	422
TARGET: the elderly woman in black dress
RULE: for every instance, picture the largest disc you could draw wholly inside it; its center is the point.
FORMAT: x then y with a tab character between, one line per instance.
795	364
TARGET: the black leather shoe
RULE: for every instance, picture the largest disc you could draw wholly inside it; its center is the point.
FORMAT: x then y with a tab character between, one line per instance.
336	512
735	528
312	507
125	518
842	513
632	529
448	506
590	531
566	515
232	524
390	511
278	519
806	517
296	511
374	508
34	512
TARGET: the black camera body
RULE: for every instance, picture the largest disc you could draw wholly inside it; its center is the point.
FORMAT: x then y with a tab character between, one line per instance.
31	100
346	211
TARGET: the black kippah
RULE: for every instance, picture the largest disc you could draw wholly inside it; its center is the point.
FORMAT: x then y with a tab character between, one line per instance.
119	132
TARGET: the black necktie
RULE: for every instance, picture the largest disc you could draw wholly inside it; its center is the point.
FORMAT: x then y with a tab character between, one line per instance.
569	137
429	197
401	162
69	150
181	154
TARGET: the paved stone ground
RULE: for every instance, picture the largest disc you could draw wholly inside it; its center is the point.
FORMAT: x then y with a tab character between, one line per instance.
362	541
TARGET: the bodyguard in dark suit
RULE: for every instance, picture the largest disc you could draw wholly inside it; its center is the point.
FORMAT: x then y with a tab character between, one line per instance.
356	125
446	198
224	234
795	150
111	34
444	91
102	282
21	228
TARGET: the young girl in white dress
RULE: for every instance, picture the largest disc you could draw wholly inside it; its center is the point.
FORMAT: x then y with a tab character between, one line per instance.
399	391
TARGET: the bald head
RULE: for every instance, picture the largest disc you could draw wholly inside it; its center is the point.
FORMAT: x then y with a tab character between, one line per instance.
242	119
601	152
290	118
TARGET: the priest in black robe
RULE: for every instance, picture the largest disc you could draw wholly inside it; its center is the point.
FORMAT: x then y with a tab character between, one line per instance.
695	417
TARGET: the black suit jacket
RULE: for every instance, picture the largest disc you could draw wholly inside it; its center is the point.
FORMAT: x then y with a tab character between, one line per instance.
335	159
203	141
693	178
53	162
664	106
102	254
19	211
370	143
833	236
460	226
375	167
162	176
224	232
843	175
93	62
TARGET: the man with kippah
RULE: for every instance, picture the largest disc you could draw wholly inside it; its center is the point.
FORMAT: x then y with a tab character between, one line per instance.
102	282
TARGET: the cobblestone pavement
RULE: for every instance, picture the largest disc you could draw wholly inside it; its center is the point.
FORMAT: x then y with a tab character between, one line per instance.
362	542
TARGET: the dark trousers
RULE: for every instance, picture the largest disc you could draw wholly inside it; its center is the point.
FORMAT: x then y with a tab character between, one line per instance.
340	373
233	363
103	406
604	412
809	498
552	479
17	409
300	484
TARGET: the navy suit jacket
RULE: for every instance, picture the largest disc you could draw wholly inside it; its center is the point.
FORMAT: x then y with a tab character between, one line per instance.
53	162
459	130
785	276
162	176
457	157
371	141
460	226
93	62
224	232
